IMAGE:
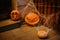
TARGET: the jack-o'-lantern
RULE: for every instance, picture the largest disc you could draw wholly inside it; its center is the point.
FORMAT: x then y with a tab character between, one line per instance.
32	18
15	15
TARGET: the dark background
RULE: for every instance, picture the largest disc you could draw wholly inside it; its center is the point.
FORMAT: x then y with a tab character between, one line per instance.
5	8
53	6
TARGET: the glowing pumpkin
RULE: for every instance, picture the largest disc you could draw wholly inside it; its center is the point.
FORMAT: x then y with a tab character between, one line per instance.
15	15
32	18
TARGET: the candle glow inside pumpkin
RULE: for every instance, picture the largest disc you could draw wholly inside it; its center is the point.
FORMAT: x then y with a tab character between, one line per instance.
32	18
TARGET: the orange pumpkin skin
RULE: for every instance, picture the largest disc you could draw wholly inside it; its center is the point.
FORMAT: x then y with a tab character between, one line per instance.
15	15
32	18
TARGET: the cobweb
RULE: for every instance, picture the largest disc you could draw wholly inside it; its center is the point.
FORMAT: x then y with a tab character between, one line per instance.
30	7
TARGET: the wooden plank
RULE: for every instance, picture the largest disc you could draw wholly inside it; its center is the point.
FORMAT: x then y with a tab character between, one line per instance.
7	22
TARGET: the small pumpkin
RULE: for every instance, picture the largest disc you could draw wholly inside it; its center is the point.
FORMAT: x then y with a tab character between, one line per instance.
32	18
15	15
42	34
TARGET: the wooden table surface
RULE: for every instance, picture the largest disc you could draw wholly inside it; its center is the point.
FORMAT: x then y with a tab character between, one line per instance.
26	32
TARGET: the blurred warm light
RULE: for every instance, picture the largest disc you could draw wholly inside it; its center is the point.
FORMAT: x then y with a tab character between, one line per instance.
15	15
43	31
32	18
42	34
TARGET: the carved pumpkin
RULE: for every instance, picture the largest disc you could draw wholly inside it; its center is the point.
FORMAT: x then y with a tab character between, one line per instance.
15	15
32	18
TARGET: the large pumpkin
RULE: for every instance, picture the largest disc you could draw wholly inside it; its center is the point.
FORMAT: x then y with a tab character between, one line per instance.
15	15
32	18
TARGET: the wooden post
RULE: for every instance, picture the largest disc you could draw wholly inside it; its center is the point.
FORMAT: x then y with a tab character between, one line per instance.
49	9
45	9
14	4
53	9
39	6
